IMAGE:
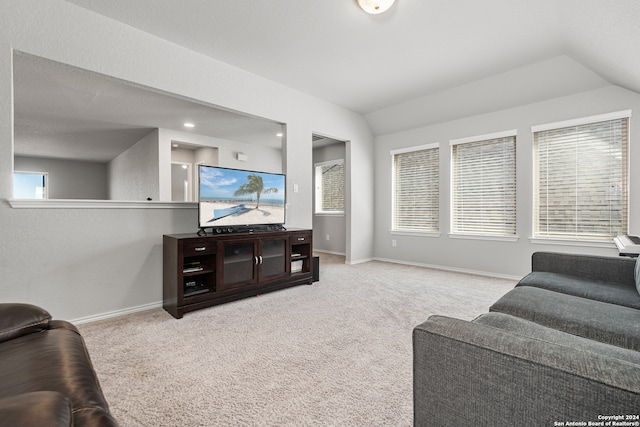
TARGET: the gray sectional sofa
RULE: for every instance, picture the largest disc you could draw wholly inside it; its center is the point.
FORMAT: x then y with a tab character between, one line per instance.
561	348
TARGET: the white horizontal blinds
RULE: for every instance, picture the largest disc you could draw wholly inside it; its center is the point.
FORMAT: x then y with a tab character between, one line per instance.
484	186
582	180
333	187
416	190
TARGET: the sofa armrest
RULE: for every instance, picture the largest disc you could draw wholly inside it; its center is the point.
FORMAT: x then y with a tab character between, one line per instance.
472	374
40	408
21	319
593	267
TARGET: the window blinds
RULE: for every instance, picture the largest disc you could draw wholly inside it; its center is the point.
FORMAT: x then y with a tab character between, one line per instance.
581	180
333	187
416	190
484	186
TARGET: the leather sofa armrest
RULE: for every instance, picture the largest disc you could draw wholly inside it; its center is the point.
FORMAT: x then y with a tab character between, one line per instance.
40	408
21	319
63	324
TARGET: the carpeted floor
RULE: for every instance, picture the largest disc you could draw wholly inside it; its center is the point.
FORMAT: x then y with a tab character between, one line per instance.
337	353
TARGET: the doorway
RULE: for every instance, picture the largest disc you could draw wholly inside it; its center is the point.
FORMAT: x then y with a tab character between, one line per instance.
181	182
330	196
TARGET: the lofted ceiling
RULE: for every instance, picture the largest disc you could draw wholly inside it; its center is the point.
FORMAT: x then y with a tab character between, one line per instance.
333	50
422	62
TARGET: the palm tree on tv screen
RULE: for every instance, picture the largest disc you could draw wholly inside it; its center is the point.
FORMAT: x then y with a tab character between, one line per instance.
255	185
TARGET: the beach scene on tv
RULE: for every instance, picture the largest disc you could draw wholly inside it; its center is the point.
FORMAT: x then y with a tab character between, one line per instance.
240	197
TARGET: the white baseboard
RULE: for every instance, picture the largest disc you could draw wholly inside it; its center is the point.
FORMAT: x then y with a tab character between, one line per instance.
117	313
353	262
453	269
158	304
329	252
360	261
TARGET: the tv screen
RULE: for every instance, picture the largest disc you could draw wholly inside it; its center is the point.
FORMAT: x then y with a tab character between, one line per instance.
235	197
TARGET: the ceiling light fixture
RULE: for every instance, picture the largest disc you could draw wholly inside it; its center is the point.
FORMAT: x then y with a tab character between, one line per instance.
375	7
189	125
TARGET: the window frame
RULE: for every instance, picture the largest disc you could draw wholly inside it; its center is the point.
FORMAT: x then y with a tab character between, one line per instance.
455	234
317	168
586	241
408	231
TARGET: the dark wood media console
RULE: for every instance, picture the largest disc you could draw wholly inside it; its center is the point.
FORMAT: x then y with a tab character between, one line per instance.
201	271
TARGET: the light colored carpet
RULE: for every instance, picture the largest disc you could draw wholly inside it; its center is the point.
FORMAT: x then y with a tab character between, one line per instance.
337	353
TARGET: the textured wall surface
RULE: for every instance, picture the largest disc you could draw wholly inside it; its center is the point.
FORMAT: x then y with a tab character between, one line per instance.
87	262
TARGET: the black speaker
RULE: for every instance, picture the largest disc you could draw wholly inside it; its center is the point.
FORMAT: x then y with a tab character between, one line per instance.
316	268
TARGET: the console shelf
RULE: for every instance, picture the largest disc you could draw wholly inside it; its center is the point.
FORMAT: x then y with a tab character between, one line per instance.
202	271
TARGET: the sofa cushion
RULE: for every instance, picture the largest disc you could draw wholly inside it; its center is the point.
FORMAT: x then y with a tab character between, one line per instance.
636	274
40	408
600	321
613	293
526	328
55	360
467	373
21	319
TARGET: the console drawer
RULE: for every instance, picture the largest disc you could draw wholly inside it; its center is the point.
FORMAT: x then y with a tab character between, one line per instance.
198	248
298	238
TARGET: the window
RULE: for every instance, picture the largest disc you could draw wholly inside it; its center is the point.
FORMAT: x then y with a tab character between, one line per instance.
30	185
330	187
581	178
416	189
483	181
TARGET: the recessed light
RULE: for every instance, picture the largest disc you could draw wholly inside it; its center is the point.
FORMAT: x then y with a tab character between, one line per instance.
189	125
279	135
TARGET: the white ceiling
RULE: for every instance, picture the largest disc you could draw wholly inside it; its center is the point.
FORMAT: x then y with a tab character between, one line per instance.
65	112
422	62
333	50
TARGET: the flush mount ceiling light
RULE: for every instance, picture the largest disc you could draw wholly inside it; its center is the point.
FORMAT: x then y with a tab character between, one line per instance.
375	7
189	125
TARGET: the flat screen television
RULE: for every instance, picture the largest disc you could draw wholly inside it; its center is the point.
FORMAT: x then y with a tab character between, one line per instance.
239	200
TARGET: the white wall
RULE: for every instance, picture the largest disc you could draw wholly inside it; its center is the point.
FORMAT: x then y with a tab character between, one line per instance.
260	158
84	262
219	152
206	156
507	258
68	179
133	175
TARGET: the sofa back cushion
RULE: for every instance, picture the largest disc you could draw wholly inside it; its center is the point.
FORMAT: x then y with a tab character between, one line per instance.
597	268
636	274
609	292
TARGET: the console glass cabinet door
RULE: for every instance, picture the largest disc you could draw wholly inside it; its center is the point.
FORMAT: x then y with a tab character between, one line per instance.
272	261
245	263
238	264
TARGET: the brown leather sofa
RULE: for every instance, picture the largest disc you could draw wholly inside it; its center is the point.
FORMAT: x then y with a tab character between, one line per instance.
46	376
